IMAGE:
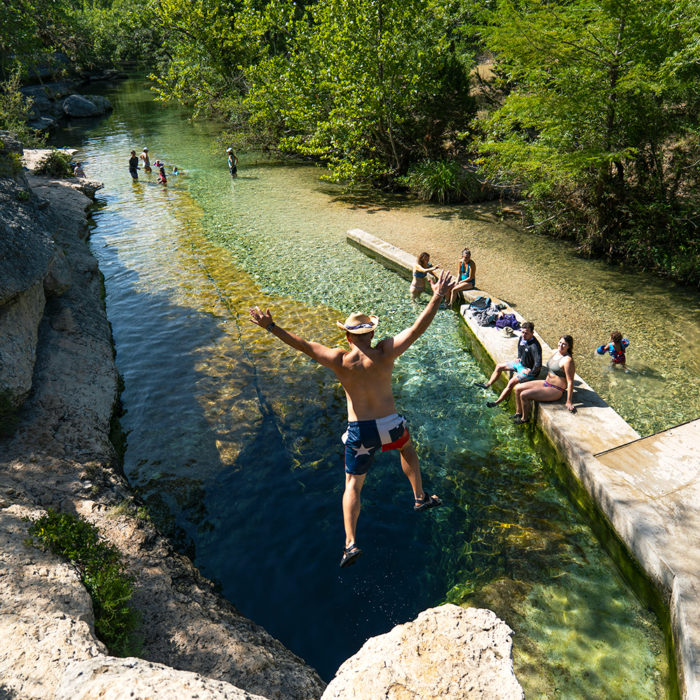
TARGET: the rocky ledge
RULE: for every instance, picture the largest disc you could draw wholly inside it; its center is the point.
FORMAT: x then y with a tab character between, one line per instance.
58	387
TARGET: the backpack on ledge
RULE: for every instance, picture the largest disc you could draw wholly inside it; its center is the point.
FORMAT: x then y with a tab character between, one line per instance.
508	321
480	303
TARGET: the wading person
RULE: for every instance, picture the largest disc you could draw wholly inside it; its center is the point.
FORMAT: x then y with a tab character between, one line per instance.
145	160
232	162
134	166
365	372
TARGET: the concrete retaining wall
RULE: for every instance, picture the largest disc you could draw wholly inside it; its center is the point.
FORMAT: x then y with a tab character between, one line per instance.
647	488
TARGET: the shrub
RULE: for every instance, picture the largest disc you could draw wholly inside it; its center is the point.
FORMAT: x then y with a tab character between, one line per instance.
55	164
442	181
101	571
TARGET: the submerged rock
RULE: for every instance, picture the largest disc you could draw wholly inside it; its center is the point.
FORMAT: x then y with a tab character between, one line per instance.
447	652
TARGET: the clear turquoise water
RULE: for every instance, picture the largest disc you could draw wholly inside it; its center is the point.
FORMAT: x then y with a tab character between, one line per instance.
234	440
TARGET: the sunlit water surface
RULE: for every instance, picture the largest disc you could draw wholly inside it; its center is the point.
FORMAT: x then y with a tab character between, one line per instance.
234	439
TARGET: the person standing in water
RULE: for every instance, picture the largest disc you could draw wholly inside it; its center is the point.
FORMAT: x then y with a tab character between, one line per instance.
365	372
134	166
616	347
232	162
146	160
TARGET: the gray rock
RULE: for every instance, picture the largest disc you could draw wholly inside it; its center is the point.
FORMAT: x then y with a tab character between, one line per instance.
448	652
80	107
109	677
58	277
43	123
58	89
101	102
19	323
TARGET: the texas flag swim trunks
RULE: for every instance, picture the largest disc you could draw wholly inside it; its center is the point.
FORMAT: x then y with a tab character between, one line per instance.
364	438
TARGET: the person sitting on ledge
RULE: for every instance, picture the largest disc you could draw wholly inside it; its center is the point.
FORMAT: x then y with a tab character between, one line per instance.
525	369
365	372
466	277
559	382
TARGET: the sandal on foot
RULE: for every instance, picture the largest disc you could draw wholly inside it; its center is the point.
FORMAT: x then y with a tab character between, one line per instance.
492	404
515	416
426	502
518	421
350	555
481	385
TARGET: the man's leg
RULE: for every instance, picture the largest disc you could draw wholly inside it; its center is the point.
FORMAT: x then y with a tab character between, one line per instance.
351	505
411	468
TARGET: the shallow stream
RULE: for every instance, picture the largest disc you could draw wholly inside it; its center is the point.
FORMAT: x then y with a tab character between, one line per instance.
234	439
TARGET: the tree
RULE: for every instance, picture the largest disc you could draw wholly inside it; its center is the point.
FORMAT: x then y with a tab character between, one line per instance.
600	127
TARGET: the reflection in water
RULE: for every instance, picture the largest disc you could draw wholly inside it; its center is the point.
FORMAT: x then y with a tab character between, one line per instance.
234	439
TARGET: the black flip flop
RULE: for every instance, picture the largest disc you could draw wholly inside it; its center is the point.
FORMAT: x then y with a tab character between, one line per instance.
350	555
426	502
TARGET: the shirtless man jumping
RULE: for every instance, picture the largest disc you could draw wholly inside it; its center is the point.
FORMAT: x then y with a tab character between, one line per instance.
373	424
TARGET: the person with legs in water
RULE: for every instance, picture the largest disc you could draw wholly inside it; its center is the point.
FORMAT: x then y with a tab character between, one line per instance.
145	160
134	166
559	382
466	276
232	162
616	347
365	373
525	369
421	268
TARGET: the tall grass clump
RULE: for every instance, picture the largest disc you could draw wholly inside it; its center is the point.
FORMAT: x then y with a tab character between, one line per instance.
442	181
101	571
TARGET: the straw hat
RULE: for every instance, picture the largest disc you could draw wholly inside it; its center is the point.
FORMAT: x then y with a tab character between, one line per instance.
359	323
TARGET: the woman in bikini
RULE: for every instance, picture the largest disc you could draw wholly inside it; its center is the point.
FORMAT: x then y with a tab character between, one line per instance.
559	382
420	272
466	277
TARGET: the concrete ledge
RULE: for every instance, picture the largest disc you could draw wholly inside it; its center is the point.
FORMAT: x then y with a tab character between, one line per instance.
648	489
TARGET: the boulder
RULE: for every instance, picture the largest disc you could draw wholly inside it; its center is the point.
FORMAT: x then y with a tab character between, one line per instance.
447	652
101	102
109	677
80	107
43	123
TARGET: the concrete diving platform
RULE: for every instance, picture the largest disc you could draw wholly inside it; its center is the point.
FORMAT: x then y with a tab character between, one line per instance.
647	488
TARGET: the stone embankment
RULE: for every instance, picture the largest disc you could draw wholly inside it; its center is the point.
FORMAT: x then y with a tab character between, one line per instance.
58	387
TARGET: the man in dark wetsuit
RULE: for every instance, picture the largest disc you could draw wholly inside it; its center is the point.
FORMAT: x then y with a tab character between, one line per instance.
365	372
526	368
134	165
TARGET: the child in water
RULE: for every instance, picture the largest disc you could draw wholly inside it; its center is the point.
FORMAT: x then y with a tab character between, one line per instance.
616	347
161	172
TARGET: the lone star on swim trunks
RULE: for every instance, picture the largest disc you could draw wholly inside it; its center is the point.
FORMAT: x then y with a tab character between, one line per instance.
362	450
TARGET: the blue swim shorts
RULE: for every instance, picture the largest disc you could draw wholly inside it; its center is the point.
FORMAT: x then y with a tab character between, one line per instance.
517	367
364	438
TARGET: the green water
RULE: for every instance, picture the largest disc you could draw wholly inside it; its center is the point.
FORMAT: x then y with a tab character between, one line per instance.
234	439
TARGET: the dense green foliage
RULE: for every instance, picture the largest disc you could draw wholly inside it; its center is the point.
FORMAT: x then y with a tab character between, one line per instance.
599	125
101	571
443	181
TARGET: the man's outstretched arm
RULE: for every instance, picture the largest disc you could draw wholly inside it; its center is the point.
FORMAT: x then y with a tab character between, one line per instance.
328	357
401	342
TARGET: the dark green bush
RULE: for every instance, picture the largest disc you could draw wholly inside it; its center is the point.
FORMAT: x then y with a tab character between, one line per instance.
55	164
101	571
8	415
442	181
